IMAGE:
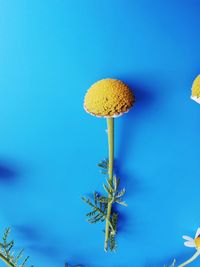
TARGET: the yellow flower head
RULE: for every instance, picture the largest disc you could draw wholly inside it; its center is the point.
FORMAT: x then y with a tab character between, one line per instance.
196	89
197	242
108	98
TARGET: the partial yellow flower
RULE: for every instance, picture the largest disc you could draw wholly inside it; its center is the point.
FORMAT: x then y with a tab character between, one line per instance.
196	90
193	242
108	98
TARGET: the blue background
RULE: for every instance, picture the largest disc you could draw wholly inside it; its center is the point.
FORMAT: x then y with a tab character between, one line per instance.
51	52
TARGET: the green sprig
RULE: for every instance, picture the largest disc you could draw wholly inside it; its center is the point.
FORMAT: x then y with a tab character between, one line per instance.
99	204
7	253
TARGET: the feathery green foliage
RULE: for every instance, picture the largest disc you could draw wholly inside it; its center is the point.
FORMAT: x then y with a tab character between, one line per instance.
12	259
7	254
100	202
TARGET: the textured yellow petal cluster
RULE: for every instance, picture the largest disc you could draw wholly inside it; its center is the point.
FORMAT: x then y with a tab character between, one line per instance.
197	242
196	87
108	98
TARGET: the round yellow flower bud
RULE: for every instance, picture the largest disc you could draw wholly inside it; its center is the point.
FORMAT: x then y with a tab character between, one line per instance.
108	98
196	89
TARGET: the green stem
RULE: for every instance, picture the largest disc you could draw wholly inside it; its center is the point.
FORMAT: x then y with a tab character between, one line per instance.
190	259
4	259
110	124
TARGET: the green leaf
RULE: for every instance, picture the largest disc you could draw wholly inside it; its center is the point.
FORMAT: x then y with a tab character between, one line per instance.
92	213
121	193
113	243
99	205
98	213
107	189
7	253
104	166
111	186
97	218
119	201
103	199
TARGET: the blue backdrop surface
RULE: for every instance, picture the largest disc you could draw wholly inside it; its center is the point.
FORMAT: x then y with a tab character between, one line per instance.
51	51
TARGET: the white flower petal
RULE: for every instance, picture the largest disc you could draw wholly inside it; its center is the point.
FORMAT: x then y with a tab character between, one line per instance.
196	99
197	232
190	244
188	238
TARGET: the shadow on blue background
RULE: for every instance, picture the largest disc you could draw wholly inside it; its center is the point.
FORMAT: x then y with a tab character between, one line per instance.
145	98
9	173
39	241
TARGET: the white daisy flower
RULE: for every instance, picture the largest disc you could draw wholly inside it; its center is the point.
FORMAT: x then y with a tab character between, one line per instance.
196	99
196	90
193	242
